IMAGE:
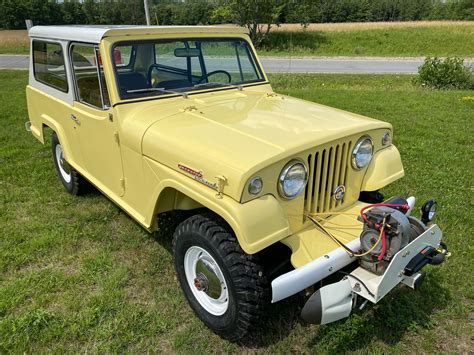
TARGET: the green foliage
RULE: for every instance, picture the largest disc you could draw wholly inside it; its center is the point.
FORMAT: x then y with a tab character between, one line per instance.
257	16
450	73
70	12
193	12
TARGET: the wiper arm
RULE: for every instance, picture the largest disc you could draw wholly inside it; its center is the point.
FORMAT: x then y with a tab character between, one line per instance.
239	87
163	90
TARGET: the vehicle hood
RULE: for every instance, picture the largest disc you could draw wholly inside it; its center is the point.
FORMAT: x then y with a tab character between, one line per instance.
236	134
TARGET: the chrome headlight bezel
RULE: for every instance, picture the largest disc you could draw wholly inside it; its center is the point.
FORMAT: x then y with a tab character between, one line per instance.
287	169
362	141
253	184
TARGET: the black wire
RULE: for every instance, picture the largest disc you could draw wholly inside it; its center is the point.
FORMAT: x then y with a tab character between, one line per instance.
362	282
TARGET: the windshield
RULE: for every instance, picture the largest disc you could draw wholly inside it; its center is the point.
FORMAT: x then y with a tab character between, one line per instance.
177	66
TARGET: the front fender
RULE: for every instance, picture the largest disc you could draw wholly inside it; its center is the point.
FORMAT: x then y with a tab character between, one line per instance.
385	167
257	224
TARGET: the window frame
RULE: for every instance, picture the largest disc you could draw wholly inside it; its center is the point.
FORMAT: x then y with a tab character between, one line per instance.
66	91
102	83
249	49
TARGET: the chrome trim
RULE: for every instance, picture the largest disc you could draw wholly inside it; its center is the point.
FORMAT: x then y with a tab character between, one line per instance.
356	148
250	183
283	174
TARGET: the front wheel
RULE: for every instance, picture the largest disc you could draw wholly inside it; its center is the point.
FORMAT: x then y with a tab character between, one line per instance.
224	286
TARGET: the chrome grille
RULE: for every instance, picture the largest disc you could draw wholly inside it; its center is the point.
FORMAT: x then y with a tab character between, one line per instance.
328	168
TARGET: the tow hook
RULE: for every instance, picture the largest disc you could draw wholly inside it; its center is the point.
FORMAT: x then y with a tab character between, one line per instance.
28	126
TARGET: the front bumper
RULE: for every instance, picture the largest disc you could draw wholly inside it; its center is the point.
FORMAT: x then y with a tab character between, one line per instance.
303	277
336	301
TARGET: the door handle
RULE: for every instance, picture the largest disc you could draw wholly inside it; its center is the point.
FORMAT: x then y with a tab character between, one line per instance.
75	119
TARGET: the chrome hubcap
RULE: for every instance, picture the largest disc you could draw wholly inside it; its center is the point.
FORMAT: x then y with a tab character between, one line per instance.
64	167
206	280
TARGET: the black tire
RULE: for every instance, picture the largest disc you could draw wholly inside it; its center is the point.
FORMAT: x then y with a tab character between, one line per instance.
76	184
248	289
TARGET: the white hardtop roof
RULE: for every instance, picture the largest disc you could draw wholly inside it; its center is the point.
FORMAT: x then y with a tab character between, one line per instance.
95	33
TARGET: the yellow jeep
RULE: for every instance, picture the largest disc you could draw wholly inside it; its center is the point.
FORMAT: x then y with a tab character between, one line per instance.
279	192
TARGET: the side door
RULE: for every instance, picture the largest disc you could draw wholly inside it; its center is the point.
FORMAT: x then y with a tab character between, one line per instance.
92	115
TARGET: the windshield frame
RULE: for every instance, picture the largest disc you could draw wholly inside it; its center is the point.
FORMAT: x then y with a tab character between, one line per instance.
192	89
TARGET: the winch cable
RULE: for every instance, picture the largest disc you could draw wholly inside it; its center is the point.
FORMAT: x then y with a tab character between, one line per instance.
379	227
345	247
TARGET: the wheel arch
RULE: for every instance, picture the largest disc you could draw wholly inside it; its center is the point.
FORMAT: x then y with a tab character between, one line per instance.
56	128
249	222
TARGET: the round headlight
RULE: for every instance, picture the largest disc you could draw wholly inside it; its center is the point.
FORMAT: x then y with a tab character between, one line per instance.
362	153
292	180
255	185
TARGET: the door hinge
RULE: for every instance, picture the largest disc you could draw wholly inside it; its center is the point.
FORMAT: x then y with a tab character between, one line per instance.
111	117
117	138
122	183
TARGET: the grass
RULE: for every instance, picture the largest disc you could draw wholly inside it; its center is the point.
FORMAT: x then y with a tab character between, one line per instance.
78	275
450	40
386	39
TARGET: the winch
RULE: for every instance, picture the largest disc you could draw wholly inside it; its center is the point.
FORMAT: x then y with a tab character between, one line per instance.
394	247
387	229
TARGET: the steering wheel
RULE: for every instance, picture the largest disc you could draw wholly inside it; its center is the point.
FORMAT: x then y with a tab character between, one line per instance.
206	76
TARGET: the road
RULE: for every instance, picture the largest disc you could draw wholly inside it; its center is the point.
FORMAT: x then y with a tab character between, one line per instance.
295	65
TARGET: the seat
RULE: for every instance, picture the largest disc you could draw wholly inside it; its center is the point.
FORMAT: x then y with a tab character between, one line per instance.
132	81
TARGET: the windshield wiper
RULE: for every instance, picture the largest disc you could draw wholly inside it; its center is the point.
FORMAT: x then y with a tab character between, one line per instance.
163	90
239	87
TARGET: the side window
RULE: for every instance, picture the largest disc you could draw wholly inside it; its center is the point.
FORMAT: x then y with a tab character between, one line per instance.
48	64
88	75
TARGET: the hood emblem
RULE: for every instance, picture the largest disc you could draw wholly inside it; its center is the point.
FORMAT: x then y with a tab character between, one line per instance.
199	177
339	193
193	172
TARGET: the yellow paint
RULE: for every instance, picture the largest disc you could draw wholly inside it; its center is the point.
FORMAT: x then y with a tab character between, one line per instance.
228	135
386	167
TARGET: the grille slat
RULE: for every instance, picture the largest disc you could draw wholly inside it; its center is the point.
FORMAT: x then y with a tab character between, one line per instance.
310	186
314	204
335	181
323	181
328	168
327	197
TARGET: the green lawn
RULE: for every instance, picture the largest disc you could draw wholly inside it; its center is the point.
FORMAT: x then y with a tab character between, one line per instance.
454	40
423	40
77	274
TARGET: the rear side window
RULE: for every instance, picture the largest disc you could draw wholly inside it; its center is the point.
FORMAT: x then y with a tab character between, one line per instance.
48	64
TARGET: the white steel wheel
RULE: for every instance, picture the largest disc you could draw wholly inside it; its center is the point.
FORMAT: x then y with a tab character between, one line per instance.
225	287
206	280
69	177
64	168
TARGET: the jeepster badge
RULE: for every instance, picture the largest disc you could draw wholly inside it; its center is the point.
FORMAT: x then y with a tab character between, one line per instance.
198	176
339	192
193	172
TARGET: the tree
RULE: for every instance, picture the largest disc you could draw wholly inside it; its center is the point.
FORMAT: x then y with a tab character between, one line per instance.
257	15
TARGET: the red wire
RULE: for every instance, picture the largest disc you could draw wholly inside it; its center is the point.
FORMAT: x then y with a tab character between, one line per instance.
384	247
378	226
